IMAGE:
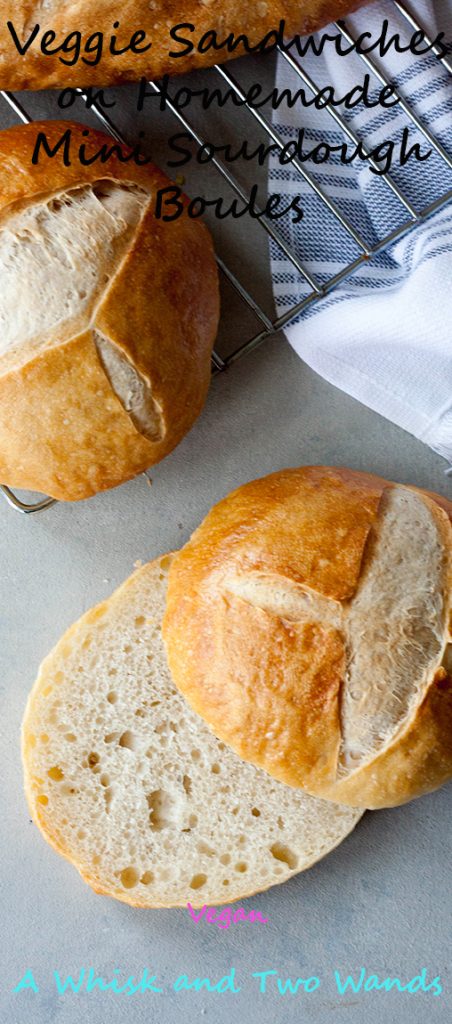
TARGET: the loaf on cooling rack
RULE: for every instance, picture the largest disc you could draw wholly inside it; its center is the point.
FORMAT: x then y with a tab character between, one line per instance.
127	782
308	621
108	318
88	36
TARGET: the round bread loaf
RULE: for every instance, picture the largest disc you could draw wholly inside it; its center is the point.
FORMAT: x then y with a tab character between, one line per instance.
92	42
108	317
308	621
130	785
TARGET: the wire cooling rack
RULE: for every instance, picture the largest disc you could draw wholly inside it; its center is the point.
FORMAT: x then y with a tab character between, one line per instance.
317	291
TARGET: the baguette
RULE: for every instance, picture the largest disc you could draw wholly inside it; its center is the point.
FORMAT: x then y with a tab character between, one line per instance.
87	37
131	786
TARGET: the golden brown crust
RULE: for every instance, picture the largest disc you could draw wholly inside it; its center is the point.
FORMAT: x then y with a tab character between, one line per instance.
290	699
21	181
81	441
36	71
283	524
62	428
271	687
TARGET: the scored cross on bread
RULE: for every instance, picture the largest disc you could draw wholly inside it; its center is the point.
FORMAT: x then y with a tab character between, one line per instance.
308	621
107	314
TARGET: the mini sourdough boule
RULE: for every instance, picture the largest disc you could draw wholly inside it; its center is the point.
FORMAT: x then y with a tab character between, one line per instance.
308	621
130	785
107	318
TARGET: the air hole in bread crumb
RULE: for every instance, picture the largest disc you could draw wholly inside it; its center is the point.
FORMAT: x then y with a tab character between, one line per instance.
147	878
195	755
198	881
43	799
44	738
81	834
56	774
241	867
31	739
47	691
112	697
129	878
221	746
104	780
127	649
127	740
235	810
155	704
225	881
70	737
255	812
281	852
111	737
192	821
215	769
204	848
280	822
225	859
139	713
113	672
140	621
186	782
160	806
93	759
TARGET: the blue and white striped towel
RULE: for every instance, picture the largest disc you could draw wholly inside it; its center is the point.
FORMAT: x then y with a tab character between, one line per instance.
384	335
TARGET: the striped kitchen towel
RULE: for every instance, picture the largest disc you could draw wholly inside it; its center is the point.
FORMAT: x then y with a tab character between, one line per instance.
384	335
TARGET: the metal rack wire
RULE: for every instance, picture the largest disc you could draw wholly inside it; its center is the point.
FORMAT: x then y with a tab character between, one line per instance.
411	216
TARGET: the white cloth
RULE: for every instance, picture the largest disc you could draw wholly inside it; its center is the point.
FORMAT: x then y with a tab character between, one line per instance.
385	334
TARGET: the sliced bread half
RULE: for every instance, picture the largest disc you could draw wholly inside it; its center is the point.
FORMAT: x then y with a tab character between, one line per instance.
129	784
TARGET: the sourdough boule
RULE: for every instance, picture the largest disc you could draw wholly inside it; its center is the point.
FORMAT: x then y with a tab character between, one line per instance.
308	621
107	314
